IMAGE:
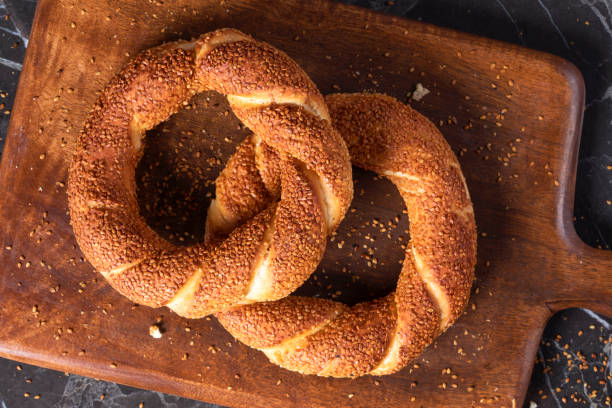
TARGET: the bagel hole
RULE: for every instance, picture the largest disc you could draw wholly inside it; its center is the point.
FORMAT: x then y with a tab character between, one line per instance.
364	257
181	159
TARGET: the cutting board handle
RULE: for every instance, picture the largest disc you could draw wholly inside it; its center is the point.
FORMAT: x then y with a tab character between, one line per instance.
593	290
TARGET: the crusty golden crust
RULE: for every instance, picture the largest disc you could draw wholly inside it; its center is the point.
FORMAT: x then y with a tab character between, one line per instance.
348	346
392	139
239	187
381	336
262	326
278	244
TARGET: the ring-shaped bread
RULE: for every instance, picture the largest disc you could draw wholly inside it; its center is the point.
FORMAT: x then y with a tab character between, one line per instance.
279	246
378	337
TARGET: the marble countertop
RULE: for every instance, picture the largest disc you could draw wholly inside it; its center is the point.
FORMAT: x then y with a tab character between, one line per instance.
573	366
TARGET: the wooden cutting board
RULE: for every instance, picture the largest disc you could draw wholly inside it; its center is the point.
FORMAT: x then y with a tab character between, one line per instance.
513	116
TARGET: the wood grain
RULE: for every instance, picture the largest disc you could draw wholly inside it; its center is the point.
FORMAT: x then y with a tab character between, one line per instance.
512	114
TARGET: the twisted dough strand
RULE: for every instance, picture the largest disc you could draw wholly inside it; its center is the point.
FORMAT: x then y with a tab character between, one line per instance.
323	337
279	246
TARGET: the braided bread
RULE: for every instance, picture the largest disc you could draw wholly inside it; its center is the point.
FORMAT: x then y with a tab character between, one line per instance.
282	241
328	338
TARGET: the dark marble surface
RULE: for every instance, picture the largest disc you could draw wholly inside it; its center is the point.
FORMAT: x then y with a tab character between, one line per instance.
574	363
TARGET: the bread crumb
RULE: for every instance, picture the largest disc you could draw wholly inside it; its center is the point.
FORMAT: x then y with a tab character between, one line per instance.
419	92
155	332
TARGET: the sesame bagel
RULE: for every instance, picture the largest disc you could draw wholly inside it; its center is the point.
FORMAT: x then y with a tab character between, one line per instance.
278	243
378	337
